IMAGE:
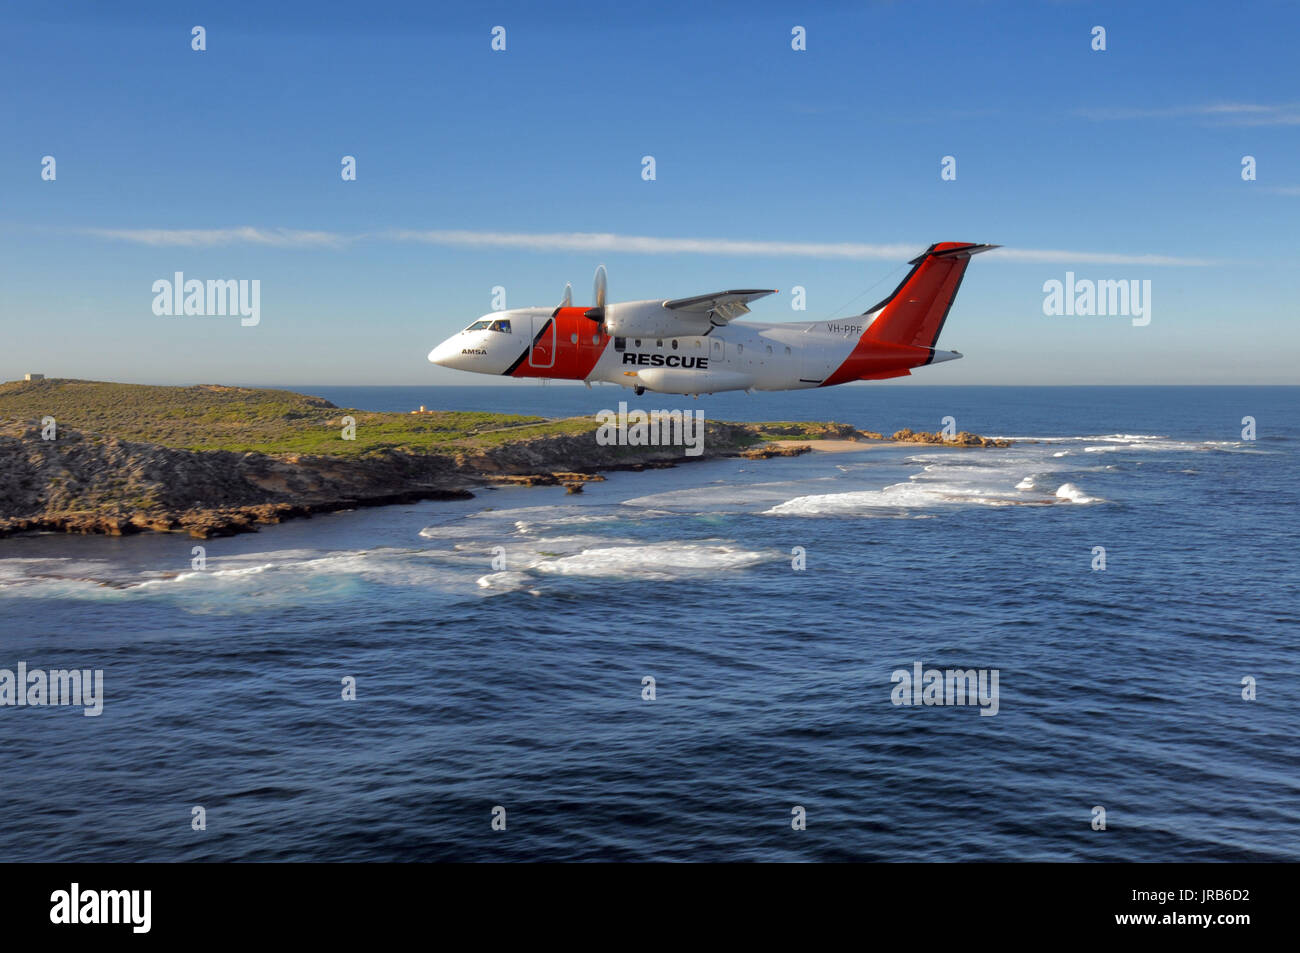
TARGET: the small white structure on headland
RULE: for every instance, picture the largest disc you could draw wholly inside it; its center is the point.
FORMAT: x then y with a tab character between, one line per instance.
35	377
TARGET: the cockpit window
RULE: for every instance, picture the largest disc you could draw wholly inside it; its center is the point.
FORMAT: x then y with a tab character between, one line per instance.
485	325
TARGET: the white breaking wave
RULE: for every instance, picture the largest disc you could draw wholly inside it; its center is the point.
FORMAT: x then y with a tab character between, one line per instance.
1165	445
894	497
1116	442
508	582
1068	491
956	477
656	560
181	577
530	520
545	522
528	526
715	498
1090	437
295	569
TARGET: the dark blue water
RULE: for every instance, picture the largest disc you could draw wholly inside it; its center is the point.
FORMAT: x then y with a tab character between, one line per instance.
521	685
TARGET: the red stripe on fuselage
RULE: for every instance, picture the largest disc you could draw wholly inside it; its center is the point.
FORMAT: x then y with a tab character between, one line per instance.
574	360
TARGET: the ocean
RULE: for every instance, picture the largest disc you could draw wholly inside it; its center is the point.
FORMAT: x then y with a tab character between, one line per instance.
501	648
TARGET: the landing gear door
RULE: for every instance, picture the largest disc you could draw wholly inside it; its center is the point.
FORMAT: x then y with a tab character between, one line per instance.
542	353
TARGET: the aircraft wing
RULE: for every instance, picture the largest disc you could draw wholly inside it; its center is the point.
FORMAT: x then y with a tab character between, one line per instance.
724	305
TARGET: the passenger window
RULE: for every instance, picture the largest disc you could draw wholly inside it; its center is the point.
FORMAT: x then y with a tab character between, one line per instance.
638	342
620	344
573	338
659	343
674	344
769	349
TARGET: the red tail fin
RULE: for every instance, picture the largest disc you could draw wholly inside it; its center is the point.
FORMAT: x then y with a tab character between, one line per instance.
915	312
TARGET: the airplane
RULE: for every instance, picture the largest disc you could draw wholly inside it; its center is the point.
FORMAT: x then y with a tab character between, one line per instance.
696	346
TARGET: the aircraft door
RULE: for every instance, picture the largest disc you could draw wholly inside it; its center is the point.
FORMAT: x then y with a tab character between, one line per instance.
542	353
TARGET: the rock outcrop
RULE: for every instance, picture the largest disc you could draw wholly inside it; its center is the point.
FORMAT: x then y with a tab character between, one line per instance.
812	431
962	439
766	453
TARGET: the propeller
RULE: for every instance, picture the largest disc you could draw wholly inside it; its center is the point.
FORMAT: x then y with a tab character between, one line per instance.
597	312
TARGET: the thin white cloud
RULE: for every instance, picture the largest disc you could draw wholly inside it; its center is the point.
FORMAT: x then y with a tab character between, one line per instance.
646	245
211	237
1063	257
1232	114
604	242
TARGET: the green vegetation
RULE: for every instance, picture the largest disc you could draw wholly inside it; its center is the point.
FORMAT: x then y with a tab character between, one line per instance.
212	417
242	419
803	430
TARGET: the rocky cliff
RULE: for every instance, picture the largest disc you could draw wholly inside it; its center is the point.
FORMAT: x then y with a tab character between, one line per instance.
97	457
90	483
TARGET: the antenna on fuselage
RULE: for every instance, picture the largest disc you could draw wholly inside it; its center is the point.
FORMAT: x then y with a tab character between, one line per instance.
568	296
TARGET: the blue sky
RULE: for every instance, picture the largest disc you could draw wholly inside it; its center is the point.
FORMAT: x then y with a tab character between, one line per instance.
818	168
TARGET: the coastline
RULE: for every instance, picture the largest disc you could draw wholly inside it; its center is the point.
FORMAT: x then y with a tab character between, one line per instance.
211	461
837	446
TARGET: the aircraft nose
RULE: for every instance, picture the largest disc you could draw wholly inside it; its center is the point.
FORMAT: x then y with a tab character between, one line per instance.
444	352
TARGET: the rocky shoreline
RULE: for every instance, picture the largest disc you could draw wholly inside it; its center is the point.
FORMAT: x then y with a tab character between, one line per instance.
82	483
92	483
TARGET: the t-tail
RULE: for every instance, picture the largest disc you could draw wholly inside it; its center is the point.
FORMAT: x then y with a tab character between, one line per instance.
914	314
902	331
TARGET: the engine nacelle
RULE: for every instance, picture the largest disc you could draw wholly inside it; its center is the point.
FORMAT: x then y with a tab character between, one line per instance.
669	380
650	319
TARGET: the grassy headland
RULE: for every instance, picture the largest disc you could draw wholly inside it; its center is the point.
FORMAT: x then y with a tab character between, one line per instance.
258	420
211	460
